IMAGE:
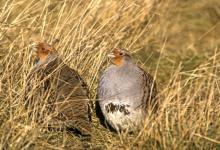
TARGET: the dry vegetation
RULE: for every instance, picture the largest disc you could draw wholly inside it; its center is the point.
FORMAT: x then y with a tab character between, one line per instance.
177	41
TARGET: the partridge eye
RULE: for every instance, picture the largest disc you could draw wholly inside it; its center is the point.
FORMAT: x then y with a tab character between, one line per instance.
120	54
43	49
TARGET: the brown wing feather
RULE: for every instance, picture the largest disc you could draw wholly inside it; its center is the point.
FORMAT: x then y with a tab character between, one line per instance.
73	100
149	91
68	95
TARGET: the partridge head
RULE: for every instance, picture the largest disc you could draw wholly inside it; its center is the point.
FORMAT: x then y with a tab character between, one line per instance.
43	51
119	57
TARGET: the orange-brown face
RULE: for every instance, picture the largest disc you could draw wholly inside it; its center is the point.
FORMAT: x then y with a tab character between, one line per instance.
117	56
42	51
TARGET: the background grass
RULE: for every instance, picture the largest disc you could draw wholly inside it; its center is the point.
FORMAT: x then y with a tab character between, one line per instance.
177	41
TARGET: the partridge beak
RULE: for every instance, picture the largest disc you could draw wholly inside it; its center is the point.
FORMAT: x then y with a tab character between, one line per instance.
111	55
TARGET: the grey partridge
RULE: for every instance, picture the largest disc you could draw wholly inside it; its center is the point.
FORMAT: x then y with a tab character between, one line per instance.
125	92
56	91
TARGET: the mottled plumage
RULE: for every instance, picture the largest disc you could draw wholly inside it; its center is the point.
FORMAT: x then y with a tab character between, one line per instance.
57	93
125	92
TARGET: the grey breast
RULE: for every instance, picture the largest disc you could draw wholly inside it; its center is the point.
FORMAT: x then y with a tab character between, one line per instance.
121	84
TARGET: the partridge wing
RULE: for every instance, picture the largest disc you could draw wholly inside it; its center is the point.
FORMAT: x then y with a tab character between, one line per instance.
149	91
73	100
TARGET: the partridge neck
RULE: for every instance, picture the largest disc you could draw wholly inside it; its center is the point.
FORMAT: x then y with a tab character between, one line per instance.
44	59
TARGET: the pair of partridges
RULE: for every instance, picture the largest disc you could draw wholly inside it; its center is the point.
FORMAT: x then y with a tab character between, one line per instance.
125	92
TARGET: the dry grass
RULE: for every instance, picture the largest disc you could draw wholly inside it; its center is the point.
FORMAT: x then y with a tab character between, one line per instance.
177	41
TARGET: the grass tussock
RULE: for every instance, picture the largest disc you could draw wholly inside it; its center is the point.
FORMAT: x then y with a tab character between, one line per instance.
177	41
